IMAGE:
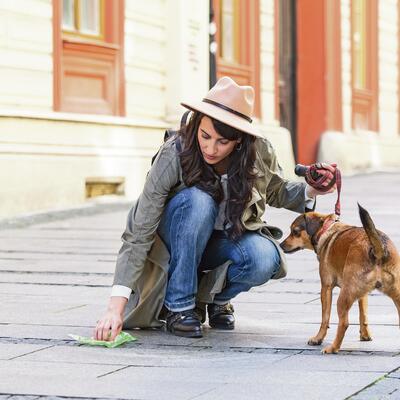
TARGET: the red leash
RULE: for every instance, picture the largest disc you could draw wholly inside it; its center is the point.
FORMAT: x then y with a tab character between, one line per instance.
316	180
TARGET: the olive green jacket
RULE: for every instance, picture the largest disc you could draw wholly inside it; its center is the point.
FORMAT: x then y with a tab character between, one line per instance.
143	259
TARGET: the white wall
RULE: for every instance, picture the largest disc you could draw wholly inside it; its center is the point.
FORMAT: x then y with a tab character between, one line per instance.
269	126
26	65
388	68
145	58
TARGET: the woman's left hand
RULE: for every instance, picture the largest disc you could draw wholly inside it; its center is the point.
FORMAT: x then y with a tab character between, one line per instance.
328	170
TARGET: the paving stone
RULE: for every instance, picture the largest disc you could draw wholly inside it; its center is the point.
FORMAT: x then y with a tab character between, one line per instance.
184	357
282	390
395	374
384	389
44	332
254	382
73	279
55	379
94	381
340	363
62	267
8	351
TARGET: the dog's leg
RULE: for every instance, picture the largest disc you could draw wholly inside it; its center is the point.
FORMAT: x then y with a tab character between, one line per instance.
394	294
326	303
344	303
365	334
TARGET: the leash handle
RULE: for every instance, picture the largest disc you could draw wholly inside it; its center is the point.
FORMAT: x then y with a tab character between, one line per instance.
316	180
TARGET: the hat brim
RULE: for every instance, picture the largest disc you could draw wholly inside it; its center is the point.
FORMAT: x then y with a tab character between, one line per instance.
223	116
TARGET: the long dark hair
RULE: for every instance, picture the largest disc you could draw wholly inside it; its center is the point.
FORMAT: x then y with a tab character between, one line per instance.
241	176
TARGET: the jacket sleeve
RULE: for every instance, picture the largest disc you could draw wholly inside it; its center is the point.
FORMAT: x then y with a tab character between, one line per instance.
280	192
144	217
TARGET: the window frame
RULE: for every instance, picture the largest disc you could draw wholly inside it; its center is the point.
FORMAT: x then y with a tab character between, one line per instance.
110	49
365	100
247	70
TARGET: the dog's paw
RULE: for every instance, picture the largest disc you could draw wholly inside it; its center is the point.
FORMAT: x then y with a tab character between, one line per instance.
314	341
365	338
329	350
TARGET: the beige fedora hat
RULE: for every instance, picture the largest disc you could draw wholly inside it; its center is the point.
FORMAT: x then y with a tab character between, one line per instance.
229	103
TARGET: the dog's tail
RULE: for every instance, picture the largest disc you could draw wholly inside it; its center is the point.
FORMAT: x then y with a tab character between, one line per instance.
378	250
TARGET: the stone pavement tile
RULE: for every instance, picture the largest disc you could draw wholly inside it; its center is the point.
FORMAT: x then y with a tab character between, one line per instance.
8	351
283	298
57	379
395	374
104	221
77	293
232	340
55	265
39	331
63	256
73	279
94	381
251	382
384	389
59	245
57	313
184	357
331	363
288	287
281	391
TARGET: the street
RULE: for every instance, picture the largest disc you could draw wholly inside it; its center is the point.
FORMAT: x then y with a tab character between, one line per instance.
56	276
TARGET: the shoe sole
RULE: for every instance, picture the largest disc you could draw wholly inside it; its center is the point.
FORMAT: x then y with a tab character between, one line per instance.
187	334
223	327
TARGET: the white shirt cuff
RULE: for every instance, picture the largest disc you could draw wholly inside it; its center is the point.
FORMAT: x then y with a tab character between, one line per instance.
309	201
121	291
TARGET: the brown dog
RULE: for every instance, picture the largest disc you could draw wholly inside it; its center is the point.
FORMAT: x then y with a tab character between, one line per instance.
356	259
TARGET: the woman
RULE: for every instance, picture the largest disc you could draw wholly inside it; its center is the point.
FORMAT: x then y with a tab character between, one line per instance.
195	236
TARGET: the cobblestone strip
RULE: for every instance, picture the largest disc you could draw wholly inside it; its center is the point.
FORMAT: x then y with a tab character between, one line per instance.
199	347
387	387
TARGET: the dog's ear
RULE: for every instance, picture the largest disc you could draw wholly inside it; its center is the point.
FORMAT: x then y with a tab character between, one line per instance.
313	224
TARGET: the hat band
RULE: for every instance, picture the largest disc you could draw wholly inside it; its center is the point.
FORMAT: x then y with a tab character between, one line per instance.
214	103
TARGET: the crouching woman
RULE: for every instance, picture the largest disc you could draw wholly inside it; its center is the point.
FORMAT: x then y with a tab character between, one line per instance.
195	238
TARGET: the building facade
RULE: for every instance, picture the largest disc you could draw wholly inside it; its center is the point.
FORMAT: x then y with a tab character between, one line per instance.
88	87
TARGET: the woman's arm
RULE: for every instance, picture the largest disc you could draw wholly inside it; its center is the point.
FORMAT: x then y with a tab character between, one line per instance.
144	217
279	191
142	223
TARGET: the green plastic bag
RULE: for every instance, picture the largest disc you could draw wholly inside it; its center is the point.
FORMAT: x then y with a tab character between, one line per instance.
122	338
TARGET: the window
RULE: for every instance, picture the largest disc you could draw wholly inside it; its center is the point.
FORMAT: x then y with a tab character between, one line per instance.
83	18
88	56
364	56
238	38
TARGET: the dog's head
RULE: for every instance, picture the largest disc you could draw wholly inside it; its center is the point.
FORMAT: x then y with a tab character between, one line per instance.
306	230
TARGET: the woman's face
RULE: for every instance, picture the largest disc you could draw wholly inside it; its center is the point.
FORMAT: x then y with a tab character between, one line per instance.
213	146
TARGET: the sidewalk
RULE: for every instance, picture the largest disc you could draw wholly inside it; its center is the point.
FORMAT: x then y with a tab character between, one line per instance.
55	279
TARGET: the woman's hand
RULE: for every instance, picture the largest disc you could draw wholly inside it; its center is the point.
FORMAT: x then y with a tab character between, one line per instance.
329	172
110	325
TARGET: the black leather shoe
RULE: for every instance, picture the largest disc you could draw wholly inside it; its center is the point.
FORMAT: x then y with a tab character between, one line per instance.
184	323
221	316
200	310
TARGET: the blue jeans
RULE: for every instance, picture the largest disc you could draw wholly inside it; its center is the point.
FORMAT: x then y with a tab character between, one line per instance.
187	229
